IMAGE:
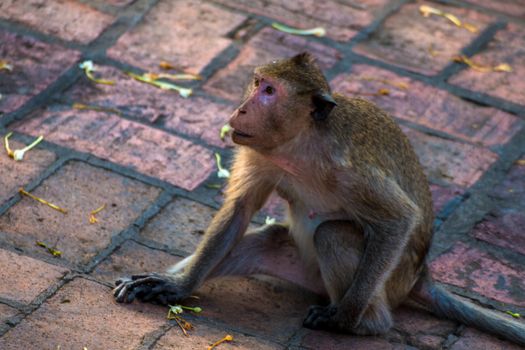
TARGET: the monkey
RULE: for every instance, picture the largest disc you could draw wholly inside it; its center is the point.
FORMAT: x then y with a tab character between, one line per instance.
359	220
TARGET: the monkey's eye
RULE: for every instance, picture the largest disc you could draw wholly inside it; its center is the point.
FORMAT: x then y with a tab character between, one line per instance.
256	82
269	90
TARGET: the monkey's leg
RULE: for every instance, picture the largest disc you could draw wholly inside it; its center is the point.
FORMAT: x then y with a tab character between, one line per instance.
339	246
268	250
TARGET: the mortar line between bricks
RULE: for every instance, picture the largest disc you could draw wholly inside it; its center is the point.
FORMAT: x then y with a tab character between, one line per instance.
69	154
107	38
126	20
473	96
477	205
50	170
130	232
37	302
65	80
475	46
19	28
484	10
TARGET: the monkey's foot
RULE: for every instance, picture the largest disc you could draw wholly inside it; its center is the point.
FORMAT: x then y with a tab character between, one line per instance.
151	287
321	317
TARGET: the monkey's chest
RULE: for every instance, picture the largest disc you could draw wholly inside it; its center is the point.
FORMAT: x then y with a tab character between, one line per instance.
309	206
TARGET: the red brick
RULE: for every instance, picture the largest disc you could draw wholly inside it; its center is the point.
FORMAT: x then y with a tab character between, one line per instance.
203	336
477	271
81	315
341	20
424	341
180	224
6	312
509	7
188	34
67	19
274	310
24	278
194	116
329	340
35	66
414	321
147	150
406	38
266	46
505	230
79	188
473	339
449	161
19	173
443	111
442	195
507	47
132	258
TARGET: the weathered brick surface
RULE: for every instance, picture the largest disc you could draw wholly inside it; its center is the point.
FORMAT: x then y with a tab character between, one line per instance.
504	229
473	339
503	226
67	19
509	7
409	100
341	20
266	46
180	224
274	310
414	321
84	314
508	46
6	312
79	188
422	44
203	336
194	116
35	66
442	195
24	278
132	258
325	340
449	161
16	174
478	271
147	150
188	34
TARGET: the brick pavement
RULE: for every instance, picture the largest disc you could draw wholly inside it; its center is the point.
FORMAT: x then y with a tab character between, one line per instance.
148	155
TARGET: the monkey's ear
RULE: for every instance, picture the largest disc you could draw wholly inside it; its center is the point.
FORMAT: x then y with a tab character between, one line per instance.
303	59
323	105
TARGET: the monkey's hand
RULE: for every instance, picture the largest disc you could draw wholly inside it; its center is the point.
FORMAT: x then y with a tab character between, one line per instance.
160	288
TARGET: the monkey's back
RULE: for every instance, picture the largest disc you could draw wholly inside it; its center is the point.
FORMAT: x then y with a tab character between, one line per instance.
372	140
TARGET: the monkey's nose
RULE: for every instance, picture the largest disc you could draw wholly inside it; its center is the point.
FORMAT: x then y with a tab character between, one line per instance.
242	111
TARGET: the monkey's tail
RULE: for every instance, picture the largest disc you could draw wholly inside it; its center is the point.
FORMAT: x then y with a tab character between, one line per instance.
446	305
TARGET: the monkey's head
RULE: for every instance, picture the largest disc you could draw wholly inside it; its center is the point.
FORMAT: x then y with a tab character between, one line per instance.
284	99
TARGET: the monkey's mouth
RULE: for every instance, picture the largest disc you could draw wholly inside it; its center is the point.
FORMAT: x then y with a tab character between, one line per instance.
240	134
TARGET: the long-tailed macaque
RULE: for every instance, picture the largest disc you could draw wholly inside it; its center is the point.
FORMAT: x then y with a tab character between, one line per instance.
360	210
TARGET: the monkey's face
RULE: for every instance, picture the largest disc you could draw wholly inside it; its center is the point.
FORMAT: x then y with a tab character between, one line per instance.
270	115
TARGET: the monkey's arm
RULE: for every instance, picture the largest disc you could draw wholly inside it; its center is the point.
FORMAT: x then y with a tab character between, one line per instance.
246	193
389	217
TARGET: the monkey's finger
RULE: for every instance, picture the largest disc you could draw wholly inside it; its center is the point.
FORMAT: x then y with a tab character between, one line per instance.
162	299
121	293
138	293
118	289
145	276
122	280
